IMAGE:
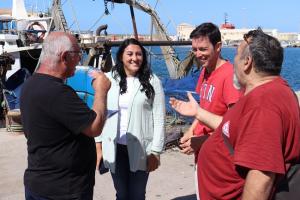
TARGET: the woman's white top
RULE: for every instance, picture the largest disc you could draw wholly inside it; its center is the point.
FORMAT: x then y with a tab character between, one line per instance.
145	124
123	109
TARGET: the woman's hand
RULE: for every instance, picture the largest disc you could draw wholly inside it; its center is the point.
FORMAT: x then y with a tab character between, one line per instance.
152	162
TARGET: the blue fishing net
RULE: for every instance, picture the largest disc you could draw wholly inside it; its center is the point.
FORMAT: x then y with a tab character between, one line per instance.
178	88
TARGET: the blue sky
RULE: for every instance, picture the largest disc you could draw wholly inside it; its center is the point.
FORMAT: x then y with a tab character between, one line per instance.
279	14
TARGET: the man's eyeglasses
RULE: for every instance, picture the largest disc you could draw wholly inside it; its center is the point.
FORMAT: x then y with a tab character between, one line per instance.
80	53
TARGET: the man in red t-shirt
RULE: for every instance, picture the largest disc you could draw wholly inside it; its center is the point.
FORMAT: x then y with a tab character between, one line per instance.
215	84
257	140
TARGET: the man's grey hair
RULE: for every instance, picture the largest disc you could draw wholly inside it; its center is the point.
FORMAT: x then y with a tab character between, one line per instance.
53	45
265	50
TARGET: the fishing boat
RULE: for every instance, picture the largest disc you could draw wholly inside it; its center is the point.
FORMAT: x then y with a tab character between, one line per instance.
96	46
21	36
99	56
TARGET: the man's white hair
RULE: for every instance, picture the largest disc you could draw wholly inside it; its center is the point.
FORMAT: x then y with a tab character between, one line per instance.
53	45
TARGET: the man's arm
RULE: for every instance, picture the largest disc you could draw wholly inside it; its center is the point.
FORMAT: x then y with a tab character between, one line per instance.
208	118
258	185
192	108
101	85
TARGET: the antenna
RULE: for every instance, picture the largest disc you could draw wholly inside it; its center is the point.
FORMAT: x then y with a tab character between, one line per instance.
225	18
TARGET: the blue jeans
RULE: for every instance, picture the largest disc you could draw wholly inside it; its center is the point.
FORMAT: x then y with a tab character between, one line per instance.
129	185
31	196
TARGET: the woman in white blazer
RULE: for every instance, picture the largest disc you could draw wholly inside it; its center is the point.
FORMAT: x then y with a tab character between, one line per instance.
133	139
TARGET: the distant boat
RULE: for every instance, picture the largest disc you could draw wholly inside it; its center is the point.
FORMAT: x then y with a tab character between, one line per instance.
226	24
285	44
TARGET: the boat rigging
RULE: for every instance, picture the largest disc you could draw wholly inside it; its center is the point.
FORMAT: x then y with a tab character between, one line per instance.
20	48
176	68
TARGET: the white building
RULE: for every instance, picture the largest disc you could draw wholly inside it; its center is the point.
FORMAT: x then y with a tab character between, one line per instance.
287	36
184	30
235	36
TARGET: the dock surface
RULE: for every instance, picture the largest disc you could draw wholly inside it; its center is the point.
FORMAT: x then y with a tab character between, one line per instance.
174	180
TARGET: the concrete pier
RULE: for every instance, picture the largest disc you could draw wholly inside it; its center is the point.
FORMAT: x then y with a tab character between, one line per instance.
173	180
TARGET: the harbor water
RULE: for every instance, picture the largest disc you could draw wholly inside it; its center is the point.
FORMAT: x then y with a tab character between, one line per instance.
178	88
290	68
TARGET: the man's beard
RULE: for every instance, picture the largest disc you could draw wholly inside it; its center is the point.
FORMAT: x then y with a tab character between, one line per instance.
236	82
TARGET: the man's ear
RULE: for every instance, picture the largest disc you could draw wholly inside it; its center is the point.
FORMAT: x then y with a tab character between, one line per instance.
248	63
218	46
64	57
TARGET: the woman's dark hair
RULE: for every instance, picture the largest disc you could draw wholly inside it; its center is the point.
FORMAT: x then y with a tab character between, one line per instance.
143	74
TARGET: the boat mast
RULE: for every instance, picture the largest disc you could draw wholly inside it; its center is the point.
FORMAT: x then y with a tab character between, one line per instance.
59	20
133	22
172	61
19	10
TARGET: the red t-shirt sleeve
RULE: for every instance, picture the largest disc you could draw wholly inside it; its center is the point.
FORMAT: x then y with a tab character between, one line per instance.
259	143
230	94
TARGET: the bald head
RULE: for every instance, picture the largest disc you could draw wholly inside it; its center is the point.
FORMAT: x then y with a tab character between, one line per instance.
54	44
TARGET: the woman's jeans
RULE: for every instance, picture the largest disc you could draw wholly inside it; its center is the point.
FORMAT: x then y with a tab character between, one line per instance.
129	185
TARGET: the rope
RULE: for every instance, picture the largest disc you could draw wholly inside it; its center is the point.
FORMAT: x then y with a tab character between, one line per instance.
117	21
156	4
97	21
158	55
74	16
105	7
170	18
31	55
64	2
70	26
